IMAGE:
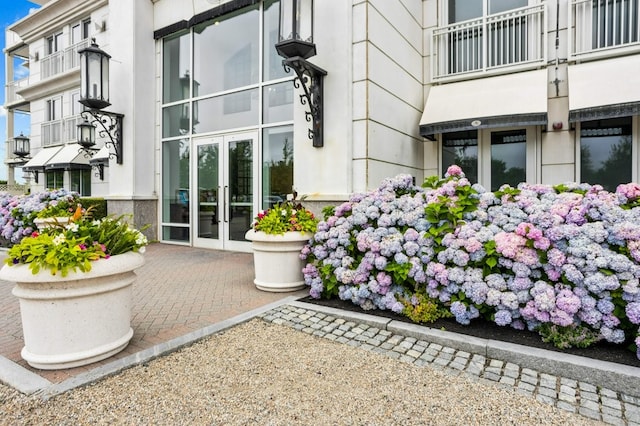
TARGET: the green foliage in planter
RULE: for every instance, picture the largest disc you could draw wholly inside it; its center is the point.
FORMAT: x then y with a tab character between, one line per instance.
65	248
288	216
573	336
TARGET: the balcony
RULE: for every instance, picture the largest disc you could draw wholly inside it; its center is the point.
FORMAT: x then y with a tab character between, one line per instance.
601	28
62	61
505	42
13	87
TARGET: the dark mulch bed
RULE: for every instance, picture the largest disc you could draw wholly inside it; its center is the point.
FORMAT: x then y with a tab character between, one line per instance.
479	328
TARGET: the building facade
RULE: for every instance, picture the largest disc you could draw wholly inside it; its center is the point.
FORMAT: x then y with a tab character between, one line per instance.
214	130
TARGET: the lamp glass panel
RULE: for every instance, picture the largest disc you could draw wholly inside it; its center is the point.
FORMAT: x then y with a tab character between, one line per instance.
305	20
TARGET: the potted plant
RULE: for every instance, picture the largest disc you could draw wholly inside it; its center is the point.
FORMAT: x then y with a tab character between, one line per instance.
278	235
57	212
74	283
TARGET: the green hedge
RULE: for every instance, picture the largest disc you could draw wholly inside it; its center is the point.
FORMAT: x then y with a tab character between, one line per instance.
99	206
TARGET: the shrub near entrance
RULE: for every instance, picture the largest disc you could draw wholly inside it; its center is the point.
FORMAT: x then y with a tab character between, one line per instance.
563	260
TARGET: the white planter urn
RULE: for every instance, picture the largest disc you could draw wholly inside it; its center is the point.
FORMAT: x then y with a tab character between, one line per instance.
48	222
78	319
276	259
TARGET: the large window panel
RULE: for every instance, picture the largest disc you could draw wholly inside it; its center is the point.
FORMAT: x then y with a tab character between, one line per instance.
508	158
175	184
175	120
231	111
606	152
80	182
272	61
277	165
278	103
176	68
226	51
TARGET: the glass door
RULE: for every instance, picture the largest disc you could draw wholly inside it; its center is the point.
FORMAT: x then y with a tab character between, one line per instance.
225	186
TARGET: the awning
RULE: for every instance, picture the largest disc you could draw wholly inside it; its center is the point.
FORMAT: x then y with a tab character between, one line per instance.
101	157
619	98
37	163
518	99
69	158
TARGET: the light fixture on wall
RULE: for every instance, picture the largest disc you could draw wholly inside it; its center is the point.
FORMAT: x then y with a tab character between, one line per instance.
94	94
21	146
296	46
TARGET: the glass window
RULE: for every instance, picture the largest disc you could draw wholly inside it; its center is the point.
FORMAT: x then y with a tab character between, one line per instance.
226	51
175	181
80	182
272	61
175	120
54	109
54	179
278	103
461	148
508	158
230	111
175	71
605	152
277	165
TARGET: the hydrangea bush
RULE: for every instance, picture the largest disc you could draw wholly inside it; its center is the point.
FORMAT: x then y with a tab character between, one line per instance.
562	260
17	213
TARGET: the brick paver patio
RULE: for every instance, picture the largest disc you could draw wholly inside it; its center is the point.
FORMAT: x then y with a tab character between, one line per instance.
179	290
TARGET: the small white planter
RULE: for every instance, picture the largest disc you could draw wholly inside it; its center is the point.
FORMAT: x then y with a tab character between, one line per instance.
75	320
47	222
276	259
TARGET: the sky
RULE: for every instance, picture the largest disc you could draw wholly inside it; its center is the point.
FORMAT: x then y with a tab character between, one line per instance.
10	12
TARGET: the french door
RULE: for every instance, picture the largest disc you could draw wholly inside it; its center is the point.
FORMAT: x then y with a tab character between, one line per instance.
224	189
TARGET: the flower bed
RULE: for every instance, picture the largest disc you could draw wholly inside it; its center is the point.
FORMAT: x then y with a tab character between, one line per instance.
561	260
17	213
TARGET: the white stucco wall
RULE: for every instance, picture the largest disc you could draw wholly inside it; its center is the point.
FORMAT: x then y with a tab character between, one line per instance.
133	93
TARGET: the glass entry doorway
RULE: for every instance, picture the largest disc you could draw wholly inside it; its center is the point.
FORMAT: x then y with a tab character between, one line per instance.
224	186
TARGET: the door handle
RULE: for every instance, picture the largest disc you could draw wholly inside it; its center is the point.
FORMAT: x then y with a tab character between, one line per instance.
225	205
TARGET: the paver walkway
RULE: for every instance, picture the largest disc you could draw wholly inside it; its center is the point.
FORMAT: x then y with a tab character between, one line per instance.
179	290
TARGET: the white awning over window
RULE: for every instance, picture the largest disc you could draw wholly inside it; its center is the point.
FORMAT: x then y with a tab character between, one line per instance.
37	163
619	96
69	158
518	99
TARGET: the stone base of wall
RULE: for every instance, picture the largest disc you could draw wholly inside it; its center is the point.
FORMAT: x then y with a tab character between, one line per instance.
145	213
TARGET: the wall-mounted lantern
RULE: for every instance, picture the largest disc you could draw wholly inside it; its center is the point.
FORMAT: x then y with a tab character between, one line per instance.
94	94
296	46
21	146
185	87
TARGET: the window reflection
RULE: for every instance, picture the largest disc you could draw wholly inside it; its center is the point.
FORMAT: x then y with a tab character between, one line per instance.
175	187
226	51
605	152
277	165
508	158
175	67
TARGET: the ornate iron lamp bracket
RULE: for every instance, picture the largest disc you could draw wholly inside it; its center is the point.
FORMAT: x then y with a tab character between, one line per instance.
109	125
309	77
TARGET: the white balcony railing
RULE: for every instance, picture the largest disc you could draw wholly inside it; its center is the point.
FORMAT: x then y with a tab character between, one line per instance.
515	38
598	26
62	61
51	132
12	90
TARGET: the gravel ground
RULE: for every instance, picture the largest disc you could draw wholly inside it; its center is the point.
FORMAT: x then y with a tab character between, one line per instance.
260	373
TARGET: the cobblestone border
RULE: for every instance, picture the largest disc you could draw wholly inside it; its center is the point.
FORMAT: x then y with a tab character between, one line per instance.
371	333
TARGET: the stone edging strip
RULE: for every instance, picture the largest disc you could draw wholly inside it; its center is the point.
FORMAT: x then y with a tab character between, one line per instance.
617	377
